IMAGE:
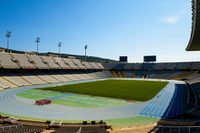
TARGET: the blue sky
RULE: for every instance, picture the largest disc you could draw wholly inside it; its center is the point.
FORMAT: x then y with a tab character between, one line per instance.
109	27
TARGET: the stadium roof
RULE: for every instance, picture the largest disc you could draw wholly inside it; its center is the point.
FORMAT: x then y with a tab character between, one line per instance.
194	43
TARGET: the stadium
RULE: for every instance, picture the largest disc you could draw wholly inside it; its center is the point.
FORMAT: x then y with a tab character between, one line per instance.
63	93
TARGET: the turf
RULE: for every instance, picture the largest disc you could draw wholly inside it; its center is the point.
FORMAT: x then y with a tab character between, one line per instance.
75	100
136	90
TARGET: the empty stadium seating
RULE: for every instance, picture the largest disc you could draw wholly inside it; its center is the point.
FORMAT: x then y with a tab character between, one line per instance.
38	62
78	63
61	63
10	80
49	60
20	129
47	78
6	61
34	80
23	61
70	63
87	65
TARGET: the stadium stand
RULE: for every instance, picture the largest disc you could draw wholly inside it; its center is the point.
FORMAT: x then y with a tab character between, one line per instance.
20	129
100	66
10	125
59	77
87	65
15	80
49	60
70	77
34	80
47	78
6	84
61	63
79	76
94	65
6	61
70	63
38	62
78	63
87	76
23	61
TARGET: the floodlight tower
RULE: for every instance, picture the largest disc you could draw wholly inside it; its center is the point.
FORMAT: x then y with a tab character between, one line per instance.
59	45
85	47
37	42
8	35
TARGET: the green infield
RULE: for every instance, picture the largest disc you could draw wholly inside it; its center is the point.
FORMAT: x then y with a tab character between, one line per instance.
137	90
68	99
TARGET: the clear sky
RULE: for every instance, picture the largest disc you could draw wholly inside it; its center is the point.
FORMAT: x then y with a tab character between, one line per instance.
109	27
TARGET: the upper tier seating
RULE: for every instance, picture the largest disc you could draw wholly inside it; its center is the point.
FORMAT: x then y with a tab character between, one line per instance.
23	61
38	62
61	63
94	65
100	65
195	65
171	66
182	66
78	63
27	61
70	63
6	61
49	60
87	65
137	66
159	66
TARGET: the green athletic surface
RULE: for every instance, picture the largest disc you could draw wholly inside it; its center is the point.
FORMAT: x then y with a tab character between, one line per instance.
75	100
116	123
137	90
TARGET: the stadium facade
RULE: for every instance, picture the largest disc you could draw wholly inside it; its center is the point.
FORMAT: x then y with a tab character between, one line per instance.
194	43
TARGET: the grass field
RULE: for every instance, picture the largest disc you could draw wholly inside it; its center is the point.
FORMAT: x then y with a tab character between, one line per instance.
136	90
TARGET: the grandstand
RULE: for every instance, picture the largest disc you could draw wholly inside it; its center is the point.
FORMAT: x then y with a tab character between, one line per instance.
68	69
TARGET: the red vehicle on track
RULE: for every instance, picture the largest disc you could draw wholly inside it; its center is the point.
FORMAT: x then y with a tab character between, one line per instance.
43	102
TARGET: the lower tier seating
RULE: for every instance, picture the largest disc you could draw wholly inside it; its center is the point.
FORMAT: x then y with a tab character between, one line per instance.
11	80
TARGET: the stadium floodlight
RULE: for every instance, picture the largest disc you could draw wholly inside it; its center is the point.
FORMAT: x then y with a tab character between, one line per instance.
59	45
37	42
8	35
85	47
